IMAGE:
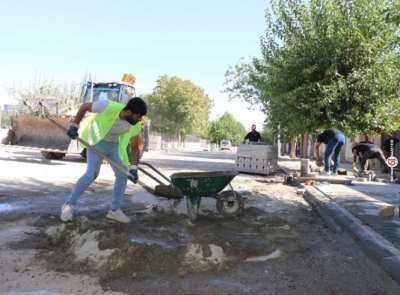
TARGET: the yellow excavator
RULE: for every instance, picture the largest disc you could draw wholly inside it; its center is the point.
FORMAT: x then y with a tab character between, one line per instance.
35	131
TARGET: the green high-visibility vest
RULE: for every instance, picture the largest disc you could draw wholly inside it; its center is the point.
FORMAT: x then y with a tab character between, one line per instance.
96	126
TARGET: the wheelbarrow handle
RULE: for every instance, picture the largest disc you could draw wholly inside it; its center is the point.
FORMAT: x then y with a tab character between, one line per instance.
158	172
149	175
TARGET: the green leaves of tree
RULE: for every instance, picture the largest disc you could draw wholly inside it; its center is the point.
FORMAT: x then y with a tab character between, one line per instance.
326	63
178	106
226	127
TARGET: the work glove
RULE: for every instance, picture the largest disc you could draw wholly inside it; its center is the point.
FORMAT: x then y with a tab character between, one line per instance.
134	175
354	164
73	130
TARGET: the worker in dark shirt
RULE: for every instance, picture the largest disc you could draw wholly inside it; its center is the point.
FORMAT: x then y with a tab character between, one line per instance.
335	141
368	151
359	159
253	135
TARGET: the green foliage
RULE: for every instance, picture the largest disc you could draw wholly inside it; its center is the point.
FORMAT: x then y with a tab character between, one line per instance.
65	95
326	63
5	119
226	127
269	135
178	106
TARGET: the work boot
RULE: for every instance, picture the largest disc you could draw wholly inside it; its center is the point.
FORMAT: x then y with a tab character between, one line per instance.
67	212
118	215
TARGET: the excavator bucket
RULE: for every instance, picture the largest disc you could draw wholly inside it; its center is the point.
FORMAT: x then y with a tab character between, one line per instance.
39	132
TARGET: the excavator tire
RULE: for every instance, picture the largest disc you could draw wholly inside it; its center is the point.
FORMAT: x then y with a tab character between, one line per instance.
52	155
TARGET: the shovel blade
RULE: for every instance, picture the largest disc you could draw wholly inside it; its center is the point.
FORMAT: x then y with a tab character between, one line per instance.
168	191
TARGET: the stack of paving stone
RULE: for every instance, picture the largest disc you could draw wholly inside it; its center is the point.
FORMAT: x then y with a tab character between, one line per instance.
369	175
257	159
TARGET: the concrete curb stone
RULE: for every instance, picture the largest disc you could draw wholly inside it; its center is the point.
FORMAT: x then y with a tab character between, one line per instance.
392	266
380	250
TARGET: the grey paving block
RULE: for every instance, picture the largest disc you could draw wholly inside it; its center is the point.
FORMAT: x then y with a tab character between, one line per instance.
384	180
371	246
300	191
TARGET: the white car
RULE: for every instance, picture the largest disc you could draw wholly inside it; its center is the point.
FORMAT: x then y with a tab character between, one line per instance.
226	145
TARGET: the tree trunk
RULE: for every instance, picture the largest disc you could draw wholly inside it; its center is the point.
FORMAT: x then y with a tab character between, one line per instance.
176	138
304	146
293	145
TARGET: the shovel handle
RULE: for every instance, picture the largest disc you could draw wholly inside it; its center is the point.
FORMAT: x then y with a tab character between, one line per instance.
87	145
145	186
103	156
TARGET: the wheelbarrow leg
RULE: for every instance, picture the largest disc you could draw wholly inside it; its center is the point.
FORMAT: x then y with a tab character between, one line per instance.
193	204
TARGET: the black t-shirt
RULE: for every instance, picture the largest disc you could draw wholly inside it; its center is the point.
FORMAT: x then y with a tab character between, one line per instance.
253	136
364	147
386	144
326	136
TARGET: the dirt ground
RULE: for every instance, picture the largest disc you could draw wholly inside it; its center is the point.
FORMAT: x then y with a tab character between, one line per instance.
277	245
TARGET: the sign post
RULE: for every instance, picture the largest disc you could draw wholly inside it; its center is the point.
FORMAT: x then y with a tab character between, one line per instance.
391	161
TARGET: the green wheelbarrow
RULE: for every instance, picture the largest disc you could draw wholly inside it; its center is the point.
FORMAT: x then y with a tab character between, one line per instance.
196	185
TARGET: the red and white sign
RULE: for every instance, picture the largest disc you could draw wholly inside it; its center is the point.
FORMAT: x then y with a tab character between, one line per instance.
392	162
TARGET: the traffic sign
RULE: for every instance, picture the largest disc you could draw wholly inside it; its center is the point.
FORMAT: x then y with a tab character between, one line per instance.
392	162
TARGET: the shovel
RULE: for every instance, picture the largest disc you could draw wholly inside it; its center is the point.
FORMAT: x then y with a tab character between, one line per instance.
166	190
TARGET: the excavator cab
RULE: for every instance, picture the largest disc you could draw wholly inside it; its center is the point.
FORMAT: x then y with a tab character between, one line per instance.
116	91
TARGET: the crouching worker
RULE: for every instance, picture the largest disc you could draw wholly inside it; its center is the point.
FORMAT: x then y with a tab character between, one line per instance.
109	131
368	151
355	157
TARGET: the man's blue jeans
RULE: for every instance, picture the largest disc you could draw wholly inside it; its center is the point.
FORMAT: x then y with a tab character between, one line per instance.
110	149
336	144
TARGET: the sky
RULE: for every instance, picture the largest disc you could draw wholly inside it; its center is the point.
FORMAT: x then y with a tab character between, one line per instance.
195	40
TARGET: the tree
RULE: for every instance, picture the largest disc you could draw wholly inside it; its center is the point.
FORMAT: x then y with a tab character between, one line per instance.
268	135
226	127
66	94
178	106
326	63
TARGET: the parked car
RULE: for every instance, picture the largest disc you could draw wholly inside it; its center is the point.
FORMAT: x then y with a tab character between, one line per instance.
226	145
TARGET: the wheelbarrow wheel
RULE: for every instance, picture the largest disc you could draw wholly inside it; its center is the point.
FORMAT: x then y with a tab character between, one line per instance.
230	204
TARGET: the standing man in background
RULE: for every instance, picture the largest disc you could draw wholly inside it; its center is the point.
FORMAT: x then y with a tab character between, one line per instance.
253	135
335	141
